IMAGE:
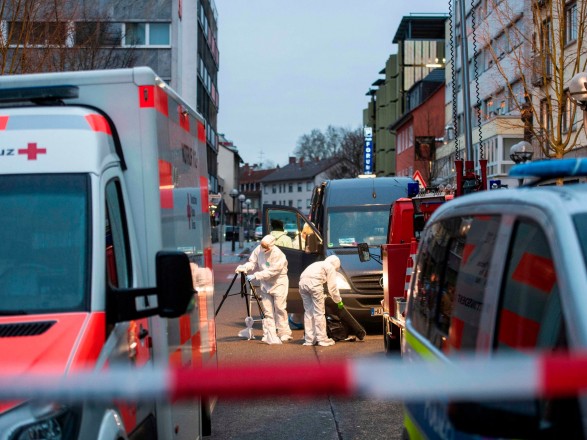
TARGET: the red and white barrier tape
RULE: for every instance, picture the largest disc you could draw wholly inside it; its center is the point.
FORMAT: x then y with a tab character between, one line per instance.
390	379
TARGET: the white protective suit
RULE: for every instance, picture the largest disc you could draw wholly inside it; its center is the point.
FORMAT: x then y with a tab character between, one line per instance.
270	269
312	282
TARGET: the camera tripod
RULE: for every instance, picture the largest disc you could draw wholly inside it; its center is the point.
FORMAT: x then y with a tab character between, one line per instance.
244	294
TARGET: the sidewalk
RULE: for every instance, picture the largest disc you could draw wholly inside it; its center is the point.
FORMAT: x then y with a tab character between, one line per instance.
240	254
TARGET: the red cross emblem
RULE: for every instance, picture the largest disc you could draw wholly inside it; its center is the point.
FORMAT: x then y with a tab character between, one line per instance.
31	151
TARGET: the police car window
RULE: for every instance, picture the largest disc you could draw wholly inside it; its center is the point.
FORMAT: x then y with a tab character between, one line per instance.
530	317
451	276
530	314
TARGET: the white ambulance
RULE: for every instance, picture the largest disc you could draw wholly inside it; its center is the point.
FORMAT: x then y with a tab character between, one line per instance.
105	255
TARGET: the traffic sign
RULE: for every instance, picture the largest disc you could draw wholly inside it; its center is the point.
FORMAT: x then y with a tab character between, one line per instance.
419	178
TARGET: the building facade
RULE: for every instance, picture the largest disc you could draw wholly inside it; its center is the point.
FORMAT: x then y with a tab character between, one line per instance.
176	38
292	185
420	40
250	186
420	129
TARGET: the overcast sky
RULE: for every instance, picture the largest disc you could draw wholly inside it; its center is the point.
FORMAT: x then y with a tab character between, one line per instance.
290	66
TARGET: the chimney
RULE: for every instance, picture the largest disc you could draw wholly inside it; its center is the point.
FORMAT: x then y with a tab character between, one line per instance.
301	161
292	160
246	169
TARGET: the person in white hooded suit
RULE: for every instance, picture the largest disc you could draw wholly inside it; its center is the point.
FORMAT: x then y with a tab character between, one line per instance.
312	282
269	265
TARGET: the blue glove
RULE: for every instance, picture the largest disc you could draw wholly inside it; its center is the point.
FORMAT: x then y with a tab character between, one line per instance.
340	305
250	277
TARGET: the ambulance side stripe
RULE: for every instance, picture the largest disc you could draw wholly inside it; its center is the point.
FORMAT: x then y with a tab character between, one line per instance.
517	331
201	132
154	97
543	276
3	122
98	123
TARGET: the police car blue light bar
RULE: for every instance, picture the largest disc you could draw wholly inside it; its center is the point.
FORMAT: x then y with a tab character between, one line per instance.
551	169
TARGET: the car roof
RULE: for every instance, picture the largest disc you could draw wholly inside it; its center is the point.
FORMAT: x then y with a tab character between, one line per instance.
552	199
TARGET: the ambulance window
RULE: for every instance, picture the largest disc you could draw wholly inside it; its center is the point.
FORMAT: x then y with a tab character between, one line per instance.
530	313
44	234
118	267
447	297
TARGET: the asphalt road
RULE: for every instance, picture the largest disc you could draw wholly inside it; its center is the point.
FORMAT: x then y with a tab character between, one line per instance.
287	417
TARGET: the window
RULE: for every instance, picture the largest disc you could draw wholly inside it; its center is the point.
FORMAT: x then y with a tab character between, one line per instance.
571	19
265	189
447	298
299	186
309	185
93	33
299	203
118	267
45	235
146	34
274	188
37	33
290	187
487	108
308	203
159	34
530	313
135	35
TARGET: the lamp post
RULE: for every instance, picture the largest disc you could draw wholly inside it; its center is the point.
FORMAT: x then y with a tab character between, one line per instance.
521	152
248	218
241	199
233	194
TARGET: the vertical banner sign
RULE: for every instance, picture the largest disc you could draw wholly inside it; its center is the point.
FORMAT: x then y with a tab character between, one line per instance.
368	151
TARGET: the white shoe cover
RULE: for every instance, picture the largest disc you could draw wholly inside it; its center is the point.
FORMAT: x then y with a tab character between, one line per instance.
247	333
269	333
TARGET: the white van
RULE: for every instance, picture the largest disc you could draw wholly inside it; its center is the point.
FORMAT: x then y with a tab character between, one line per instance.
502	271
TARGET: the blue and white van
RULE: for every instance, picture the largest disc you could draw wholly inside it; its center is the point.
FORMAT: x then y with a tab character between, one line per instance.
500	272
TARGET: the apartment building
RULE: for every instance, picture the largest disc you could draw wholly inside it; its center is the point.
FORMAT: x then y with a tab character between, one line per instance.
420	40
176	38
292	185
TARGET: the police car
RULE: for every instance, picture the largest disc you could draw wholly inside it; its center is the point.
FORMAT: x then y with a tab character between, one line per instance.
502	272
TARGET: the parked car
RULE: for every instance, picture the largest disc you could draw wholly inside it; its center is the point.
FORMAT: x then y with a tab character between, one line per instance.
258	232
502	272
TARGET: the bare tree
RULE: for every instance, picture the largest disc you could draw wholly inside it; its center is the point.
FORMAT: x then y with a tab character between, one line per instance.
59	35
336	142
537	60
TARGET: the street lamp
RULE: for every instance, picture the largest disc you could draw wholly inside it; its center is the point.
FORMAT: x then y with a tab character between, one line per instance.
233	194
248	218
521	152
241	199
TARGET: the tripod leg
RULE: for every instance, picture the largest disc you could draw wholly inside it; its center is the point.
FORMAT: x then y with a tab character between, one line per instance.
245	295
226	294
254	294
